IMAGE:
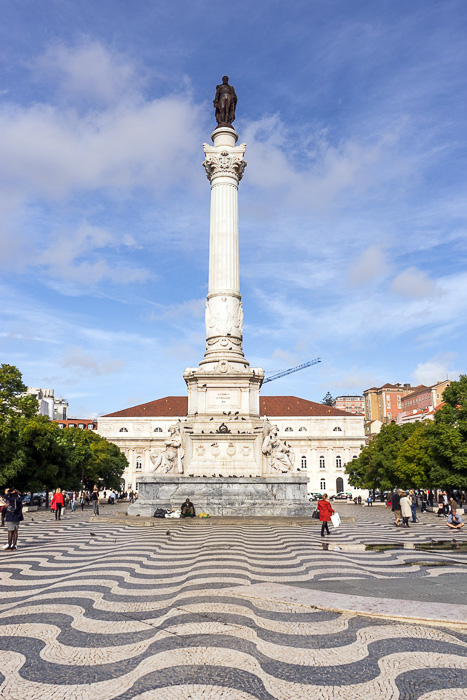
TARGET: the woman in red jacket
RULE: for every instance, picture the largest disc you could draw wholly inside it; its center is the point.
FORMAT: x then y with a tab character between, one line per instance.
57	504
325	512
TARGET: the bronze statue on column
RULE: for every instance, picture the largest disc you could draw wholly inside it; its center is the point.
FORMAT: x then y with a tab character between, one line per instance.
225	103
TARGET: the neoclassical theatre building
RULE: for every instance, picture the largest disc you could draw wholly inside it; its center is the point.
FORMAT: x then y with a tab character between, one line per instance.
323	439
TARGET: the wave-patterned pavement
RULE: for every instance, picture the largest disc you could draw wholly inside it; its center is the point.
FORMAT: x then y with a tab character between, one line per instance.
95	610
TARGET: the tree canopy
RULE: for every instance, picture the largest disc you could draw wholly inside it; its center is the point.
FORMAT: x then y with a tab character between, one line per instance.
430	454
36	455
327	400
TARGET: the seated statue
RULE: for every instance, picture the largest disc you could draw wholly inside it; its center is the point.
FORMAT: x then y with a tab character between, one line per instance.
280	456
170	459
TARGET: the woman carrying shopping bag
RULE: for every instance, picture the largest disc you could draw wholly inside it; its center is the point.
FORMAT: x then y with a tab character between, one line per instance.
57	504
325	511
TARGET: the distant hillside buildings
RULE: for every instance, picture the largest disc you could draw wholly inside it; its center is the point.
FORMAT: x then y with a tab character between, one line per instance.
350	403
48	404
400	403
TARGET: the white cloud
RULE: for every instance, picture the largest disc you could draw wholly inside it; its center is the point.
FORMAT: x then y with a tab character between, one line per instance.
435	370
76	358
63	259
369	266
89	71
414	283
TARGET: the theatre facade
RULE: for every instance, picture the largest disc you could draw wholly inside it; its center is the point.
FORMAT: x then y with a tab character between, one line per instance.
322	439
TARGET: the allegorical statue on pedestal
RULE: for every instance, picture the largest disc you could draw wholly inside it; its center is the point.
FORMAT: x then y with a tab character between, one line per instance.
225	103
280	456
170	459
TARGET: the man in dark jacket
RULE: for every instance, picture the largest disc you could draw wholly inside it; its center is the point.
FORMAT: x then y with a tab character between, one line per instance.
14	515
396	507
188	509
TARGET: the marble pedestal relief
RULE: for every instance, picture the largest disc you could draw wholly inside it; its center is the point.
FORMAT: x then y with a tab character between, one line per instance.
224	437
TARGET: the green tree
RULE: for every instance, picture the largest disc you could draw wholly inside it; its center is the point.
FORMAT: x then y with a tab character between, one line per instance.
12	400
376	466
46	459
93	458
327	400
414	463
449	445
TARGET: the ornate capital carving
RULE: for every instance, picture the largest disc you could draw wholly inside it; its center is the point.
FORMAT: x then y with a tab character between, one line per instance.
224	161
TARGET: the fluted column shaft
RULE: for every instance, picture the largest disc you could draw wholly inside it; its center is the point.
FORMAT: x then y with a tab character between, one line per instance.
224	167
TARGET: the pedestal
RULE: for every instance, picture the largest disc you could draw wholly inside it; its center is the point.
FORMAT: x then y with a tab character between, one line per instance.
268	496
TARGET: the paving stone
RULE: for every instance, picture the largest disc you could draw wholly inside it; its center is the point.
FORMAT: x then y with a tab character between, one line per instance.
135	613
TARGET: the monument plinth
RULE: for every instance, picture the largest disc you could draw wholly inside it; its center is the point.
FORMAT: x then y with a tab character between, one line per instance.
224	437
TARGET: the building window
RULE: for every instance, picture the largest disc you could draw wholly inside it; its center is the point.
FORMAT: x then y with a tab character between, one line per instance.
354	457
339	485
302	429
303	462
61	425
139	463
338	462
71	425
123	430
158	430
337	429
322	462
90	426
289	430
81	425
322	484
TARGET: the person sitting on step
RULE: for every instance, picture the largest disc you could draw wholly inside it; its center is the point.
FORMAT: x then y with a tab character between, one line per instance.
188	509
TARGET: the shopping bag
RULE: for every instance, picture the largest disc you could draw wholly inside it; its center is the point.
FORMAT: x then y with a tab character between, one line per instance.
336	519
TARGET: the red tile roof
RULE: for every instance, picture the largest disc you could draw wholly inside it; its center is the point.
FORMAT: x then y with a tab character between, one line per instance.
268	406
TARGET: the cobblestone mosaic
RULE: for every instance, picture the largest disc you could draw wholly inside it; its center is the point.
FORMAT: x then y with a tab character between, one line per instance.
96	610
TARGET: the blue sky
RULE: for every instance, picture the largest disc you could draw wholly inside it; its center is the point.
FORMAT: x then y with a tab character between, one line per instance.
352	209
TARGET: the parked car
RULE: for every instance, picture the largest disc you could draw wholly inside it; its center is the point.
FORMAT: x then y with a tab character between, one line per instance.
314	497
32	500
342	496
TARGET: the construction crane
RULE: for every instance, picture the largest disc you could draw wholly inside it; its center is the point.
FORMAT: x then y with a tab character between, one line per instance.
285	372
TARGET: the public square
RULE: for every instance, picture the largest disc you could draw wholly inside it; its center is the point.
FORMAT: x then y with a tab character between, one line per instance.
95	608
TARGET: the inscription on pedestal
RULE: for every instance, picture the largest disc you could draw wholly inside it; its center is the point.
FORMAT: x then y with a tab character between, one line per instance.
223	398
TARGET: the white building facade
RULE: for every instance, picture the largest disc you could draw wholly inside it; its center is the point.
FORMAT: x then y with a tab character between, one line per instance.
323	439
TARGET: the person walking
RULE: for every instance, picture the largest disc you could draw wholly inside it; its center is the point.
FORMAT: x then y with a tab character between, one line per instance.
396	507
4	507
423	498
95	500
413	505
73	501
13	517
325	511
406	510
82	498
56	504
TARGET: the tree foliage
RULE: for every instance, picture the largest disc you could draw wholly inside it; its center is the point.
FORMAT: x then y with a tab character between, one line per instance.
429	454
327	400
36	455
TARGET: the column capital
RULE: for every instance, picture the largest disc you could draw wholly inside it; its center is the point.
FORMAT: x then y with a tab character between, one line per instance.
224	161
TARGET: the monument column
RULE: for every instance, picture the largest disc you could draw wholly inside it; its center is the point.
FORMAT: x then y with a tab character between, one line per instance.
224	165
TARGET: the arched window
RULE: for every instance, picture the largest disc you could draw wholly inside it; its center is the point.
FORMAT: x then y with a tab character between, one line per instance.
139	463
338	462
303	462
289	430
322	484
322	462
302	429
337	429
123	430
158	430
339	485
354	457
